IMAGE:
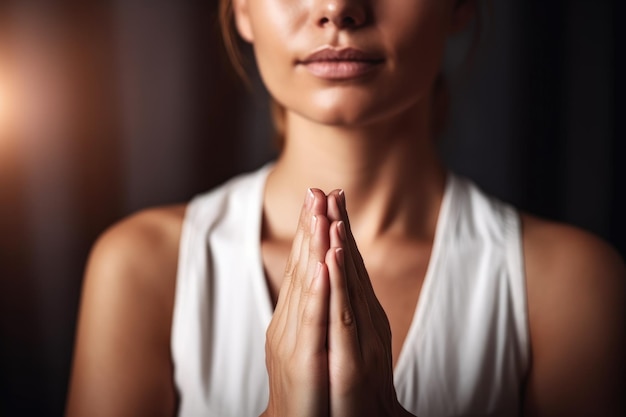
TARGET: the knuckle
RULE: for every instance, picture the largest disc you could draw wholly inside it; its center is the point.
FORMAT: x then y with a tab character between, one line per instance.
271	330
310	292
296	277
268	352
297	285
309	318
269	344
347	317
290	270
269	333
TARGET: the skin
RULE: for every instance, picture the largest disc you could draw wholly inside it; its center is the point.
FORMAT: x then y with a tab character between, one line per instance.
329	344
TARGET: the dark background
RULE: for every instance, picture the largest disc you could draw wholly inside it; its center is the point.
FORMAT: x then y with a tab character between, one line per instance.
126	104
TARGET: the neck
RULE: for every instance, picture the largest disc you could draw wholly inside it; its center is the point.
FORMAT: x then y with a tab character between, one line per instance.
390	172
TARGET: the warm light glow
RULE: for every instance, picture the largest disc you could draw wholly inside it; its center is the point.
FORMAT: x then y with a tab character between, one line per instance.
6	102
3	103
7	112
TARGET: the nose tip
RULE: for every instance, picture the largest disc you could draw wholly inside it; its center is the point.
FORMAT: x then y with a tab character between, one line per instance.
341	14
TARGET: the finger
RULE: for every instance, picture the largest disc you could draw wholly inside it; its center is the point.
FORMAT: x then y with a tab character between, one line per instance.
354	265
357	260
356	292
342	332
292	260
313	329
334	200
340	203
302	272
315	244
294	254
354	288
349	236
374	322
286	289
318	244
305	266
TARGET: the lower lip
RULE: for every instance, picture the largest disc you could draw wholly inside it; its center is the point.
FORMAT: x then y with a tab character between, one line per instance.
341	70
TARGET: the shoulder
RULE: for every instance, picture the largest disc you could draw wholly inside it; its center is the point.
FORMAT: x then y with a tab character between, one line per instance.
576	287
122	362
562	261
137	257
142	243
563	249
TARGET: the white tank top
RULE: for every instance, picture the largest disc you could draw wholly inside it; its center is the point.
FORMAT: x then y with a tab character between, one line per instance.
467	349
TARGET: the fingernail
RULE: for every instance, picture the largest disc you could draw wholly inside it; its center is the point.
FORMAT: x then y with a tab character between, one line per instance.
343	198
318	269
339	256
341	230
309	198
313	224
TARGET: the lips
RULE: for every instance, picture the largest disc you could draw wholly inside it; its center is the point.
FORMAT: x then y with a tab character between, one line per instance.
341	64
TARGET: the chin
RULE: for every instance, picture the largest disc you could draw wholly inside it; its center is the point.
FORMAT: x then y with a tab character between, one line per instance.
339	118
340	110
354	112
336	118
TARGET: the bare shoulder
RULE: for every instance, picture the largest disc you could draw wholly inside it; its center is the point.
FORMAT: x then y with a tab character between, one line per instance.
569	252
576	287
122	362
137	257
144	243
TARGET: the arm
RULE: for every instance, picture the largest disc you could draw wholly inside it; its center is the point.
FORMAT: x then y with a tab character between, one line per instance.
122	364
576	302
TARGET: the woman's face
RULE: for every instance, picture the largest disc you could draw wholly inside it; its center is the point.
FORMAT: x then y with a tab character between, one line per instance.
348	62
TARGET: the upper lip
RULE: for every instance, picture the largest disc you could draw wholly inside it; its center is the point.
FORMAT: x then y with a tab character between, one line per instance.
344	54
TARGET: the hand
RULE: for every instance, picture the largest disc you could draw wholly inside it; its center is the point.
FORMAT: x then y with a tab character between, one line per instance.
296	353
359	336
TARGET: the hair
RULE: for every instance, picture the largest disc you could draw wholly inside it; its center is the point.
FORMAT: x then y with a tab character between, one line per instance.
440	94
230	38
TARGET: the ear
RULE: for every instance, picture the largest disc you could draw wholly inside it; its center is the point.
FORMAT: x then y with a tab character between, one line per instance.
242	20
463	12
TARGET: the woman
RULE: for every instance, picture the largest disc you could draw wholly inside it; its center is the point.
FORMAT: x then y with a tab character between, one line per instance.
220	308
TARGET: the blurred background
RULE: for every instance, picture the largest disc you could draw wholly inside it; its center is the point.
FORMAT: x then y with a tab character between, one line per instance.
108	107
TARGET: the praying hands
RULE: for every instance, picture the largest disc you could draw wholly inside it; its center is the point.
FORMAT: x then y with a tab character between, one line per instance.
328	347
